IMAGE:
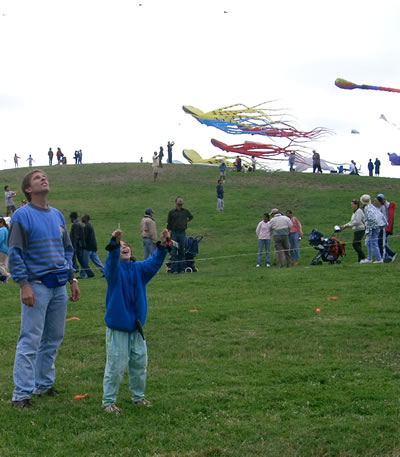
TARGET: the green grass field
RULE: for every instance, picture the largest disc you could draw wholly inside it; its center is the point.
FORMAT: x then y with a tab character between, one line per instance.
255	371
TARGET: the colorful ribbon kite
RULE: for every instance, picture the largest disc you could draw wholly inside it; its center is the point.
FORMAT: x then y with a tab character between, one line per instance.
259	150
253	121
343	84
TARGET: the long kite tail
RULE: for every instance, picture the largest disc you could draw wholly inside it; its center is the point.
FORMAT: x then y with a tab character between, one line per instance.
343	84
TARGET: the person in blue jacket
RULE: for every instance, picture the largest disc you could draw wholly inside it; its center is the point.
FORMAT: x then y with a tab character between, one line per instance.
126	312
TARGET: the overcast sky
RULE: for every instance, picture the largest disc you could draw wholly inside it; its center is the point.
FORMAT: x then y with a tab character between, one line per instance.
110	77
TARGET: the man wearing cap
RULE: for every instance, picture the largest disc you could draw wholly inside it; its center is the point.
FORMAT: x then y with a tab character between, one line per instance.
149	233
280	226
178	219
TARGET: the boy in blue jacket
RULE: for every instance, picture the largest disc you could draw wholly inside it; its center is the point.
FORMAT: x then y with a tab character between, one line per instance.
126	312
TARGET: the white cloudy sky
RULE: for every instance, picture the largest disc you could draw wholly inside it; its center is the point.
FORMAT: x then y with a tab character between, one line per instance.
110	76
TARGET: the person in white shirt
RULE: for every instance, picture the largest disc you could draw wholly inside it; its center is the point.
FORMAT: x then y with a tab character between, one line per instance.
263	232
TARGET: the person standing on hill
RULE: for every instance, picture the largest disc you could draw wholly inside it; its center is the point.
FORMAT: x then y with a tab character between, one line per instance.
16	158
9	200
374	221
169	149
90	250
178	219
220	195
160	156
77	236
295	235
263	232
316	162
149	233
155	166
126	314
222	170
51	155
377	166
280	226
370	168
357	223
40	257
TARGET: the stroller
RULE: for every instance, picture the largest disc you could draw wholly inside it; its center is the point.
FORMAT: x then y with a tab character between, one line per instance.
329	249
191	250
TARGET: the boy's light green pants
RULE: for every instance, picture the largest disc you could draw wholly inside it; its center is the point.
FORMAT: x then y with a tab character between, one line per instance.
125	350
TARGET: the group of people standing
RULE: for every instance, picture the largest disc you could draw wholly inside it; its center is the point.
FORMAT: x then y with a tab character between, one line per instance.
286	231
375	221
158	157
83	240
374	166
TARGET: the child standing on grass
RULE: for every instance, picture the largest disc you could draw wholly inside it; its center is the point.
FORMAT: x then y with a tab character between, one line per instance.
220	195
126	312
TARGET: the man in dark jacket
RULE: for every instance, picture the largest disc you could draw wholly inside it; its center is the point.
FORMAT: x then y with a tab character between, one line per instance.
90	251
77	236
177	225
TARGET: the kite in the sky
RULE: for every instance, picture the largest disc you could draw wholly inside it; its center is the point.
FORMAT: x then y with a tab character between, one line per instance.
343	84
383	117
394	158
256	120
259	150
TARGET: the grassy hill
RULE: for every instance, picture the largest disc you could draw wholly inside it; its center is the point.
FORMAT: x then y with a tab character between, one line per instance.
254	370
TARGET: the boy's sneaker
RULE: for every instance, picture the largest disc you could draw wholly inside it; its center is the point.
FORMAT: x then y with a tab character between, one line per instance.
26	403
268	265
394	258
112	409
144	402
258	265
379	261
365	261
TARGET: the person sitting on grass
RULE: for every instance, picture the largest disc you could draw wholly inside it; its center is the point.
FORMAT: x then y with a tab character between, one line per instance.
126	312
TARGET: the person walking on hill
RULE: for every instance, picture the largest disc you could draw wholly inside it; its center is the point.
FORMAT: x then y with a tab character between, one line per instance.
357	223
149	233
263	232
280	226
178	219
37	229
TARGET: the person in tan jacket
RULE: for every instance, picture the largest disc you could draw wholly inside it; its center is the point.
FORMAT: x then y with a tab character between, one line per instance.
149	233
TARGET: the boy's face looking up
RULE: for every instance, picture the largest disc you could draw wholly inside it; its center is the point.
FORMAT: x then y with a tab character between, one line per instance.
125	251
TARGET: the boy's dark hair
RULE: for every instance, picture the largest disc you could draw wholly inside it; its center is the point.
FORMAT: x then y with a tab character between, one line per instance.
73	215
26	182
5	187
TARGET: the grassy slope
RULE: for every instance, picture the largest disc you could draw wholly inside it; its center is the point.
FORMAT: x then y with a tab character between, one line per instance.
255	371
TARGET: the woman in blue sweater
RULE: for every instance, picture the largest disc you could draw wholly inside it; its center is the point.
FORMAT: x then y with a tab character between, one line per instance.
126	312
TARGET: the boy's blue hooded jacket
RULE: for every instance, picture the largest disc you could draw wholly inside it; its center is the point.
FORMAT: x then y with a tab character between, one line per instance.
126	299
